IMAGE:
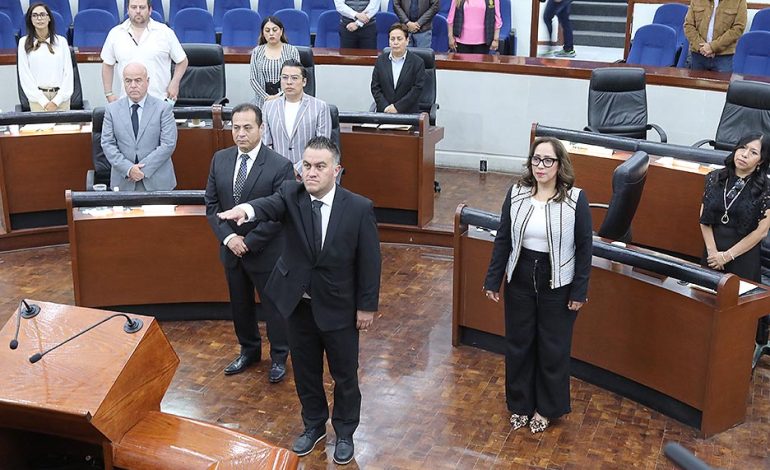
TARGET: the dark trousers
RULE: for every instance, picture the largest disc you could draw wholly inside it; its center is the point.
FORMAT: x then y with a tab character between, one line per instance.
362	38
472	48
308	344
560	10
242	283
538	339
720	63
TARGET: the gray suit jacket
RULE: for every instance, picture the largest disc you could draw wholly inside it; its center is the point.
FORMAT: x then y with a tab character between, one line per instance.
153	145
427	10
313	119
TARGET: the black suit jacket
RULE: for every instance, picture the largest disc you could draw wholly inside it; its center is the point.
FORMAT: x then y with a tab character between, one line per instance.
406	96
268	172
345	277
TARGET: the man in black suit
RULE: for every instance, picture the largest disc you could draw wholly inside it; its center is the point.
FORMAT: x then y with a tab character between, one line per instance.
398	76
327	284
249	252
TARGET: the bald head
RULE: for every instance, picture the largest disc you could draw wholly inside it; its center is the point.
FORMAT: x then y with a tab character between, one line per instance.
135	81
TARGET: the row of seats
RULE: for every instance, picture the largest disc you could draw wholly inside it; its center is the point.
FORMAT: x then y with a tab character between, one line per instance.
663	43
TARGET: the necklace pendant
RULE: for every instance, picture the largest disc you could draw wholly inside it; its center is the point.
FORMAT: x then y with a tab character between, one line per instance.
725	218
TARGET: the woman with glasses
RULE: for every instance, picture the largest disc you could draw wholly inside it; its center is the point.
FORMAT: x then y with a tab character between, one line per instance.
542	255
44	61
735	214
267	58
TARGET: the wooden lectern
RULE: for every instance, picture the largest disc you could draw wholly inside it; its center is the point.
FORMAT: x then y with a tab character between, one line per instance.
104	389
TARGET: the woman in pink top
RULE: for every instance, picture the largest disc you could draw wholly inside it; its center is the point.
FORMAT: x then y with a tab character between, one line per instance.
474	26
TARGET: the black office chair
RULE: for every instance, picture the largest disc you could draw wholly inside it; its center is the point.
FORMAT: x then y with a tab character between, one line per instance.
76	100
203	84
746	110
306	58
627	186
617	103
428	98
102	168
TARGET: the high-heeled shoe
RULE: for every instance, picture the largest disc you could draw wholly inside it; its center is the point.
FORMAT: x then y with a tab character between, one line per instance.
519	421
538	424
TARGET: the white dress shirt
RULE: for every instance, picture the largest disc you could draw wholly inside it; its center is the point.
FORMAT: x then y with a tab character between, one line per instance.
397	64
40	68
710	33
249	163
155	49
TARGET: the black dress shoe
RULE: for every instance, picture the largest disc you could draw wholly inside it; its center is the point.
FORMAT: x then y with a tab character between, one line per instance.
277	372
308	440
240	364
343	451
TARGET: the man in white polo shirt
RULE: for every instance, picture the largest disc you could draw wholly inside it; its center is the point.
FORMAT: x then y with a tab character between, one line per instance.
143	40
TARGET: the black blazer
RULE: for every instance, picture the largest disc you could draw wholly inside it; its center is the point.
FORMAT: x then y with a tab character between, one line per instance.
406	96
268	172
346	275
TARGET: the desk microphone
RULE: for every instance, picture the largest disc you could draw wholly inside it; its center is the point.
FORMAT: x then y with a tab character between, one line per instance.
132	326
25	311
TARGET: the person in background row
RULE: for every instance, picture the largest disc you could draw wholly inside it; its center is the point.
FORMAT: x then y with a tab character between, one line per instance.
735	213
296	117
474	26
417	15
357	28
561	10
139	136
543	248
44	61
398	76
268	58
713	28
143	40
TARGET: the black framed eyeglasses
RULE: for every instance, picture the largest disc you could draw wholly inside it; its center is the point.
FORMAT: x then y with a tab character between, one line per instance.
39	15
547	161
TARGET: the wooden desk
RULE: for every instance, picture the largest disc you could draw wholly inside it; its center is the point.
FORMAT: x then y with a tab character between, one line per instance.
138	258
678	350
395	169
668	215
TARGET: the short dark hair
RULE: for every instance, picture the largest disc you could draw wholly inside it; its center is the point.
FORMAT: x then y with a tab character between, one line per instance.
245	107
324	143
399	26
294	63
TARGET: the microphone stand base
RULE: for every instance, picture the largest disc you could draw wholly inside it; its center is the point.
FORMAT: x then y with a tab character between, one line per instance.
32	312
133	326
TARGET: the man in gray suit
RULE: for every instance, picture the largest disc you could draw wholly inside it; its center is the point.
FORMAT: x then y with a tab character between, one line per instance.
417	15
294	118
139	136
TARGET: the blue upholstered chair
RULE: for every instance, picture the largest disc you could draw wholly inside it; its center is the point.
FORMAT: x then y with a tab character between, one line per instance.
221	7
439	39
269	7
240	28
109	6
672	14
195	26
62	7
761	21
296	26
752	54
655	45
314	8
12	8
92	27
7	32
328	32
178	5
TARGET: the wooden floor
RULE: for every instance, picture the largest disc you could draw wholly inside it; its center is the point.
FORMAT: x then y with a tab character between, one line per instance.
426	405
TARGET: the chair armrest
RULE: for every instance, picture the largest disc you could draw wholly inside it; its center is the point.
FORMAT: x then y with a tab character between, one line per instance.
700	143
90	180
222	101
598	205
660	131
432	114
591	129
620	61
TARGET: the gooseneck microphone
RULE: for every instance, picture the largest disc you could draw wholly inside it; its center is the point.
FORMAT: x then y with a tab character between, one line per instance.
132	326
25	311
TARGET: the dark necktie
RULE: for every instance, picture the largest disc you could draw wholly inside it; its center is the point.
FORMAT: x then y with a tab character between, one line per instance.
240	180
135	119
317	227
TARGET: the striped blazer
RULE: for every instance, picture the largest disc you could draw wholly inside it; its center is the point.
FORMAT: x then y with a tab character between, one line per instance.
262	69
313	119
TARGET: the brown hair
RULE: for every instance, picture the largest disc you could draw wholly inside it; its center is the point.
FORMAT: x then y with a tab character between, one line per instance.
565	176
29	43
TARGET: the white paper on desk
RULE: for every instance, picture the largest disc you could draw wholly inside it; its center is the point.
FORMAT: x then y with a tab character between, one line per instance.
585	149
743	287
66	127
46	126
686	164
370	125
159	209
395	127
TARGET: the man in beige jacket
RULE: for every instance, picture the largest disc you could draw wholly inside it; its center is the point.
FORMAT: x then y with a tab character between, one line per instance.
713	28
